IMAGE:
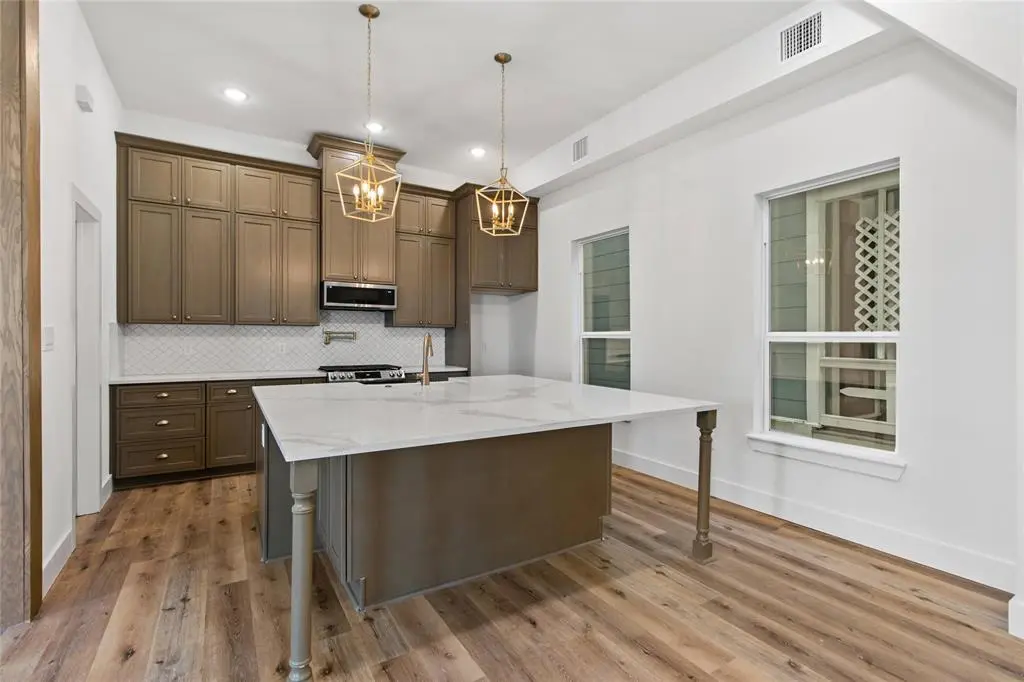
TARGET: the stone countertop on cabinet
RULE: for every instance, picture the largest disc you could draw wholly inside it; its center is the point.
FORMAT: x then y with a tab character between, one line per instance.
251	376
315	421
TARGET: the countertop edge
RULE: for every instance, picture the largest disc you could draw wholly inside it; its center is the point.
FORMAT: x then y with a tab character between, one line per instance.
126	380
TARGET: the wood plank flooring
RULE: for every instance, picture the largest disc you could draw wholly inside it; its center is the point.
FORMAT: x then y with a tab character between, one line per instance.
166	584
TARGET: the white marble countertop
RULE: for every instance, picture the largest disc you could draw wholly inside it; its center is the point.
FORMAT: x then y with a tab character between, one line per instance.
314	421
252	376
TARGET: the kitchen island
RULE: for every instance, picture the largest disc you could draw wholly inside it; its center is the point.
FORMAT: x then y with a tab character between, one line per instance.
431	485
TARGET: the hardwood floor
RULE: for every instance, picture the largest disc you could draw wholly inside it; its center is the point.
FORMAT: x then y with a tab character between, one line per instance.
166	584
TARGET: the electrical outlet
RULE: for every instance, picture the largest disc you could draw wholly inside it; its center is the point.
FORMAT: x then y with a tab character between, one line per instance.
282	348
188	348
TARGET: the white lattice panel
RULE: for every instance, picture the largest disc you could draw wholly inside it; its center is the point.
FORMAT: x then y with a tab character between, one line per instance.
190	348
877	283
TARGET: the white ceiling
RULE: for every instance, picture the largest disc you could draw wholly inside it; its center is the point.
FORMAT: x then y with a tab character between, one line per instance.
435	82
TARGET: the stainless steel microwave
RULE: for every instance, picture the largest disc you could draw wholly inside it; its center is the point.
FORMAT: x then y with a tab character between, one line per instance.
354	296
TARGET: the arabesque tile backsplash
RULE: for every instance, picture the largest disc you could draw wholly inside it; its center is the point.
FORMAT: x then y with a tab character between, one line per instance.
187	348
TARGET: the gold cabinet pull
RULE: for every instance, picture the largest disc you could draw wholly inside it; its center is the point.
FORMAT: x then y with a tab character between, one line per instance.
162	422
248	407
161	396
232	391
162	455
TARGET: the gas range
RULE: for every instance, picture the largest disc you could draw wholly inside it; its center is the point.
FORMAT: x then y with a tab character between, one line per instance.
363	374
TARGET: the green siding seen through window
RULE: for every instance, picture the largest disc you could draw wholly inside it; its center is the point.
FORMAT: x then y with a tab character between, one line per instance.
606	284
605	345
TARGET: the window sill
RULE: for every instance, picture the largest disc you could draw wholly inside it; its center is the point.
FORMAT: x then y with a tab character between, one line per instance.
833	455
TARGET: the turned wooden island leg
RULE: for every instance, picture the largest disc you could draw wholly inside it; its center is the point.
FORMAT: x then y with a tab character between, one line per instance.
303	486
702	547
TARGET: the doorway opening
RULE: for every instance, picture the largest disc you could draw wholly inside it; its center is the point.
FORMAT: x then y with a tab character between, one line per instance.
89	379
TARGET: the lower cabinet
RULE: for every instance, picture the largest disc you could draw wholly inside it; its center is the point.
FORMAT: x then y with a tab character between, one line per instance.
229	439
184	430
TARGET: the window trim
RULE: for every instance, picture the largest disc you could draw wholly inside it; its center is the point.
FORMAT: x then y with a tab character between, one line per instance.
854	458
578	334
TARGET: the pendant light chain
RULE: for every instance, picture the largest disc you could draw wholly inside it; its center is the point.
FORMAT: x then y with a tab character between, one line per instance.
369	81
503	120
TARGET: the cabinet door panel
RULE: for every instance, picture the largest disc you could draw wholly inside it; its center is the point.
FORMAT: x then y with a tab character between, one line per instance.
410	279
340	242
521	261
410	214
299	278
207	184
206	267
257	259
486	258
440	219
440	278
334	160
377	247
154	263
300	197
154	177
229	434
256	191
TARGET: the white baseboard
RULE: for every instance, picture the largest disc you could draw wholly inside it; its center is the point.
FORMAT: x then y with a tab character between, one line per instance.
58	557
1017	616
106	490
982	568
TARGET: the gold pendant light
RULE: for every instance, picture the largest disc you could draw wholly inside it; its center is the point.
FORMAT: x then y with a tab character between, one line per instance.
500	207
369	187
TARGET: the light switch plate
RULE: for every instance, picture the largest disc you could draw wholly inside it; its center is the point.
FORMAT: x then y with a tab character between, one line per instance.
48	335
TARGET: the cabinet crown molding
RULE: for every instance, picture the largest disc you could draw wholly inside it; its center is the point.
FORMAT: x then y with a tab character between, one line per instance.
323	141
179	149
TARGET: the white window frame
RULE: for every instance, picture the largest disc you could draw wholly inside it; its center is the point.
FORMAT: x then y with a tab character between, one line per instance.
855	458
579	336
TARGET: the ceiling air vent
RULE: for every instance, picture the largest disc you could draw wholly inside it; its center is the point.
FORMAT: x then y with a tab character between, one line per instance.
579	149
800	37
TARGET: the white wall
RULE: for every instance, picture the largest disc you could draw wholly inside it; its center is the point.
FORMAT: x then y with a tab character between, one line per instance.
695	234
489	320
76	149
984	34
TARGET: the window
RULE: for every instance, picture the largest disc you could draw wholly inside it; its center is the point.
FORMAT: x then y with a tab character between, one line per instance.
833	301
603	343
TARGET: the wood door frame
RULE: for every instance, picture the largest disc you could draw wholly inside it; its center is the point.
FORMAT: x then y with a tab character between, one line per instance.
20	351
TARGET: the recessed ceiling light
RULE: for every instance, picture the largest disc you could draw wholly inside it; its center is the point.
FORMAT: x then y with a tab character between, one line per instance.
235	95
374	127
478	152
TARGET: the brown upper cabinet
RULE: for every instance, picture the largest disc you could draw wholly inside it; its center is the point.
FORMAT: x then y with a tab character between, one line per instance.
418	214
256	191
300	197
276	280
300	283
353	250
154	263
207	184
206	267
425	275
257	265
154	177
500	265
440	218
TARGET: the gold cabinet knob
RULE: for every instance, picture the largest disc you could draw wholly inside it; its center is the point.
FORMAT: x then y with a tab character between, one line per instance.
188	200
284	319
273	319
188	317
174	197
232	391
274	211
248	407
285	211
174	317
162	422
161	396
162	455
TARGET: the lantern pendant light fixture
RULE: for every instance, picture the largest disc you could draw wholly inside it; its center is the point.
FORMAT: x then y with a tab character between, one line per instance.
500	207
369	187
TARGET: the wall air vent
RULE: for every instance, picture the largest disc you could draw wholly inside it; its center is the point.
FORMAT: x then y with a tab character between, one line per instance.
800	37
579	149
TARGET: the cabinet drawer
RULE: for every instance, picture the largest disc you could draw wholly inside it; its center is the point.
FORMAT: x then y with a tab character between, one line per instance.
144	459
229	391
159	395
158	423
